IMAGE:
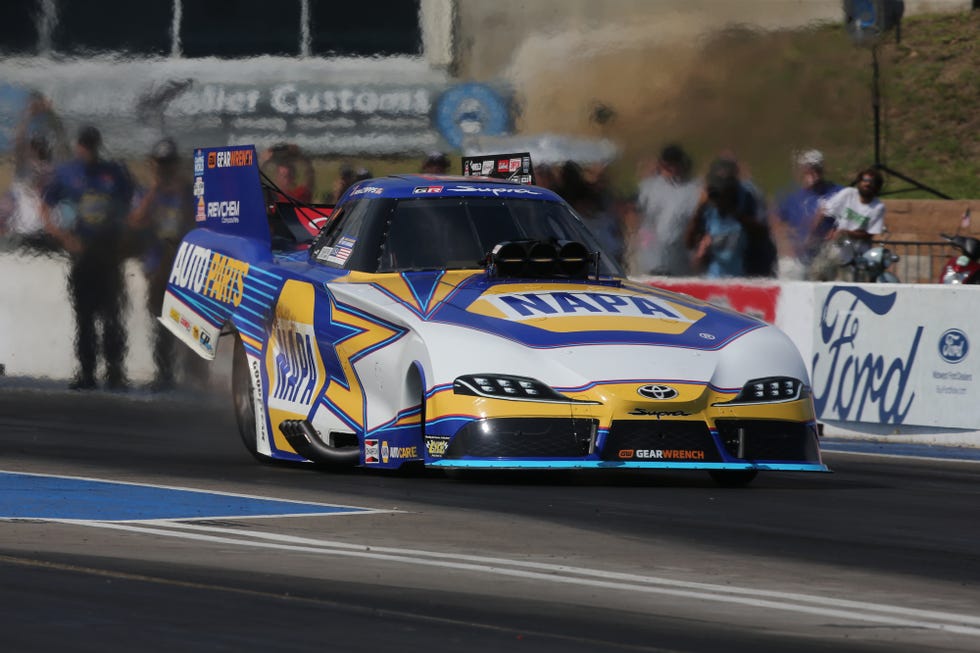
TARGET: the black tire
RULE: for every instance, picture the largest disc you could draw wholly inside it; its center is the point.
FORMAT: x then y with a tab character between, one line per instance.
733	477
242	396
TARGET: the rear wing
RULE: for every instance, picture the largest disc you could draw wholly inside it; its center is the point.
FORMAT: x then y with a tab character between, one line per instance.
230	199
228	192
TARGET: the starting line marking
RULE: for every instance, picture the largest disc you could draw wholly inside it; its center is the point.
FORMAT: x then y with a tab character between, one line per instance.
71	498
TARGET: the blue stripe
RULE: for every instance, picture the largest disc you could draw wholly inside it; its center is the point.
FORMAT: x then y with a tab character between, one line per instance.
28	496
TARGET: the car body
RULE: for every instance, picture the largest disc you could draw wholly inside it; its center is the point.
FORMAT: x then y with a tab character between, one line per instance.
469	323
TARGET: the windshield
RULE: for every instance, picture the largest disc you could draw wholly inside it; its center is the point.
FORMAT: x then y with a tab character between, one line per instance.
456	233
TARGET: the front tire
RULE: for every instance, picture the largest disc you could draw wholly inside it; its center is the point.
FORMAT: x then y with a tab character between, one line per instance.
243	394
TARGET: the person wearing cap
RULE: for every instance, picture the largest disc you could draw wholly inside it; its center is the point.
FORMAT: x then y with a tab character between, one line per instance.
92	198
799	212
164	214
435	163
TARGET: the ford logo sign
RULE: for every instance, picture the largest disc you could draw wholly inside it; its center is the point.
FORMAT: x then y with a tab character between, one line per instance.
953	346
656	391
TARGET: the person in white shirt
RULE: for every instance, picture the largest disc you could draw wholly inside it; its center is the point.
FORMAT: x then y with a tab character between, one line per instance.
858	216
857	211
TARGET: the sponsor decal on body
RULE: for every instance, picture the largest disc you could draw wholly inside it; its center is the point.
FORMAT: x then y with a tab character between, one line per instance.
229	211
204	271
372	452
262	435
230	158
657	391
298	371
529	305
436	445
661	454
645	412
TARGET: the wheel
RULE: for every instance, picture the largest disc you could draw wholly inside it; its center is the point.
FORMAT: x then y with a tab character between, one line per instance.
242	395
733	477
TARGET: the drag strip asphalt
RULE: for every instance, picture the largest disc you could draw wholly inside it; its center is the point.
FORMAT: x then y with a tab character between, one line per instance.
140	521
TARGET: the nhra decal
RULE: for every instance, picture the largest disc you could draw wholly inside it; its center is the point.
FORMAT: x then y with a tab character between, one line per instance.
214	275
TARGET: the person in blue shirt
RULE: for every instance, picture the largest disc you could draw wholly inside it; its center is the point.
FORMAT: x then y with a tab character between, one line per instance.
92	196
163	215
800	212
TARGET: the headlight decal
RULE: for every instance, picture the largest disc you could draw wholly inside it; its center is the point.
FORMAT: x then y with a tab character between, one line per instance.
769	390
514	388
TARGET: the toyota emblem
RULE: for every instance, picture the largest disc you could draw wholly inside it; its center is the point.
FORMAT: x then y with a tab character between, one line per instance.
657	391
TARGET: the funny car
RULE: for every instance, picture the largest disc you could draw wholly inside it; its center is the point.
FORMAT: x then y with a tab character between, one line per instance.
463	323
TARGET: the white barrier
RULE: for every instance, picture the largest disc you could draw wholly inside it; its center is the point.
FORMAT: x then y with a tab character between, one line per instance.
893	361
887	361
37	325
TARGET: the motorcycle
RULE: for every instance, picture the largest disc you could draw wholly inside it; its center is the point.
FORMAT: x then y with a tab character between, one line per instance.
868	262
965	267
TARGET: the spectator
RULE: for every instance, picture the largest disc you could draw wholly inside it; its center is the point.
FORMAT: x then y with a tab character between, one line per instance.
858	215
588	194
761	257
799	213
97	194
20	206
164	214
435	163
38	124
718	232
292	172
344	180
666	202
545	176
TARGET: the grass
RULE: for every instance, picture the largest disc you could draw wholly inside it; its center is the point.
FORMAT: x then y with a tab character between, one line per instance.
765	94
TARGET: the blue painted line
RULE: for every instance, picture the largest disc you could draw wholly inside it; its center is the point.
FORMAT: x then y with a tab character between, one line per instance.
32	496
900	449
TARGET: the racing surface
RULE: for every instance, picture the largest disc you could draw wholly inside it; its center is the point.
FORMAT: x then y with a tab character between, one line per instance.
879	556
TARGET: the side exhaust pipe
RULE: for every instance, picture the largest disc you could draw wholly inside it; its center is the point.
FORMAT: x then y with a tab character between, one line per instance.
302	437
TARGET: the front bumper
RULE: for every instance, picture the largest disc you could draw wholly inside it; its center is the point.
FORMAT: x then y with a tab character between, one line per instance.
572	443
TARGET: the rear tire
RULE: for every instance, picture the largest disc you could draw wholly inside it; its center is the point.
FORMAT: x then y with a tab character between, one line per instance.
733	477
242	394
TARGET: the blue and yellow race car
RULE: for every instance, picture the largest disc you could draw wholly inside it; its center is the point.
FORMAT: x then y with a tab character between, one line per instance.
469	323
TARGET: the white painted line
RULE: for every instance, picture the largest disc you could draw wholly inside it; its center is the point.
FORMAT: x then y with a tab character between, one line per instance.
773	600
910	459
